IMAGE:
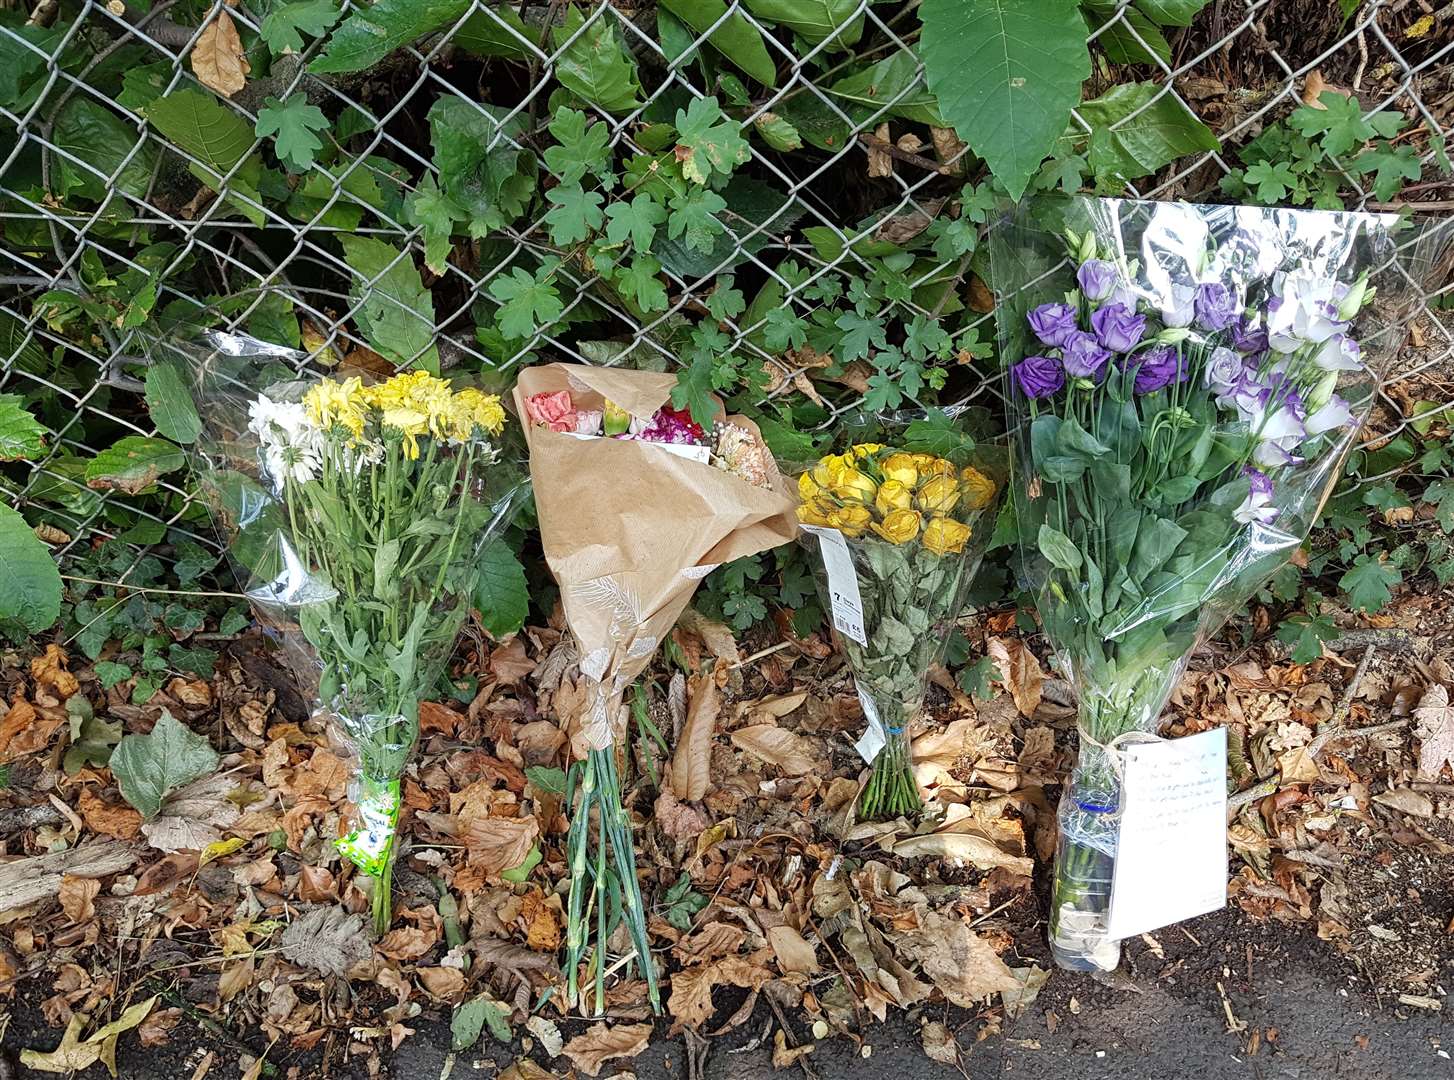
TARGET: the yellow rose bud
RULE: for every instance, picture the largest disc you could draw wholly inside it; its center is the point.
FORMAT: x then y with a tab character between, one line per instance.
943	536
939	494
809	514
850	485
939	467
901	467
893	495
851	520
923	462
808	488
899	526
826	470
978	489
863	450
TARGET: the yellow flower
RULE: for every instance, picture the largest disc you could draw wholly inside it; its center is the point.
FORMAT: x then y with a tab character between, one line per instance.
923	462
850	485
901	467
938	467
863	450
899	526
409	422
979	489
893	495
332	403
470	408
945	535
808	488
826	470
851	520
809	514
939	494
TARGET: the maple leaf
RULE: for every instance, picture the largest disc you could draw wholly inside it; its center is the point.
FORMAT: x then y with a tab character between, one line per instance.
1434	725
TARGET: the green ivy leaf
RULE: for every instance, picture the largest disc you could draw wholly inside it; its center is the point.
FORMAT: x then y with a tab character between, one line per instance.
708	143
282	28
22	437
170	403
397	315
694	219
502	595
436	213
92	737
1368	583
976	678
526	302
1392	165
469	1021
596	65
372	32
640	281
635	221
30	583
1006	73
1341	123
148	767
1306	636
861	334
294	125
582	151
575	213
133	464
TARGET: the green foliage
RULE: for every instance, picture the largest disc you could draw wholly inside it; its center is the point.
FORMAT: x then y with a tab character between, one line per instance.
149	767
527	301
284	25
370	33
397	312
22	436
294	125
502	595
681	903
594	64
30	584
170	403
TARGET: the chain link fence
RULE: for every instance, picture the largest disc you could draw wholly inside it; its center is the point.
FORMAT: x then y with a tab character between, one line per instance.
227	240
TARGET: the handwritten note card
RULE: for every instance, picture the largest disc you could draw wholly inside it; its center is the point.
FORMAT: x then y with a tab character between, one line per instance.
1171	860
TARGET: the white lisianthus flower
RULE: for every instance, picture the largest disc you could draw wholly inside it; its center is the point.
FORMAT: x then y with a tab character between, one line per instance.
1305	309
1335	414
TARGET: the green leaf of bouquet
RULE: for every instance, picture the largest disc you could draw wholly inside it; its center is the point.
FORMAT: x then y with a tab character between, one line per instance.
22	436
30	583
132	464
1059	549
170	404
371	33
502	594
1369	582
148	767
596	65
1006	73
734	36
397	314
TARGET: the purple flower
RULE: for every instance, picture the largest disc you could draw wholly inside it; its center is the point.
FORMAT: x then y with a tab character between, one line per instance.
1117	327
1215	306
1084	358
1159	368
1335	414
1258	504
1096	278
1039	376
1053	323
1248	337
1225	374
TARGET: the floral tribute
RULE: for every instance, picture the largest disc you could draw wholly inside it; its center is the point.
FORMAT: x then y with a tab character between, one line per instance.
637	502
901	535
1181	409
356	514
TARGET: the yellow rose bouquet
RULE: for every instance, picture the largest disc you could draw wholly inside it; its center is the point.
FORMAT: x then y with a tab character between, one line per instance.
901	535
356	514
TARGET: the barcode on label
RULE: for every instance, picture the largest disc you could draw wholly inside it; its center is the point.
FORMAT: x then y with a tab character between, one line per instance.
843	594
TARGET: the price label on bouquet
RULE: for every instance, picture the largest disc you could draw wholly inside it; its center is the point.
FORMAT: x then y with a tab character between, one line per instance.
847	601
1171	857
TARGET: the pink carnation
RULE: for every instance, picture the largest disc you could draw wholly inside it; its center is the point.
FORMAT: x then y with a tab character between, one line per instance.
555	411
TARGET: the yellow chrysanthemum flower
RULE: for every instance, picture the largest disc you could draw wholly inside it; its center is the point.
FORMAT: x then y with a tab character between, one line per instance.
470	408
411	423
331	403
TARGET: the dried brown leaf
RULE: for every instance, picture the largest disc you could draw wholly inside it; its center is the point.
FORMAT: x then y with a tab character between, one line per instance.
108	819
691	988
1020	671
715	635
328	940
777	746
691	765
498	843
50	671
785	1056
1434	725
958	961
678	820
443	983
794	954
601	1043
77	896
960	848
218	59
939	1044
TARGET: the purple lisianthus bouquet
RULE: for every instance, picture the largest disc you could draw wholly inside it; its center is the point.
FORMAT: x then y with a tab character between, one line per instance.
1185	386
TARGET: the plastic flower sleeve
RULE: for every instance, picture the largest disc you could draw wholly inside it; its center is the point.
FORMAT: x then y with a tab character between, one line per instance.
1185	383
896	536
355	514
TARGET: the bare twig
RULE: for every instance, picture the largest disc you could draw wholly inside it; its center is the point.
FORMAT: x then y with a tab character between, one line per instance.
873	142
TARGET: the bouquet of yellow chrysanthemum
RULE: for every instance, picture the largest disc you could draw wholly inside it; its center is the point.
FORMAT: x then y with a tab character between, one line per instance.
901	536
357	513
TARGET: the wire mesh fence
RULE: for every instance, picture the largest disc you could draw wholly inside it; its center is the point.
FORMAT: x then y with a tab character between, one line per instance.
96	198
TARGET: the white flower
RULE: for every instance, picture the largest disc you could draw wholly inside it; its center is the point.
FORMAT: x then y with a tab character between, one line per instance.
1180	309
1335	414
1339	353
291	444
1305	309
1256	507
